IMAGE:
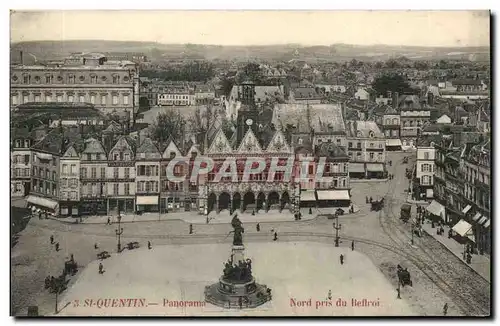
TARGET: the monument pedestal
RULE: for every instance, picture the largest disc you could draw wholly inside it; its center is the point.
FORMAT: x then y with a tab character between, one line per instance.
237	253
237	288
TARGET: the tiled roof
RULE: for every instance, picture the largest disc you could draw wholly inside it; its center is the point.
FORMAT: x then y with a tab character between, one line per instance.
330	151
148	147
362	129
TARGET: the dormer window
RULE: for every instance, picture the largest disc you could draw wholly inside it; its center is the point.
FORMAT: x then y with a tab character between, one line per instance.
172	155
18	143
371	134
116	156
300	141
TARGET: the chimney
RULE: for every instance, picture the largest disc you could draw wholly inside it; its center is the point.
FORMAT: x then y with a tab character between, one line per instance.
21	57
430	99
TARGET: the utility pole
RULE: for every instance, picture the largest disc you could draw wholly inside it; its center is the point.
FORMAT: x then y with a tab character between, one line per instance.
337	228
119	232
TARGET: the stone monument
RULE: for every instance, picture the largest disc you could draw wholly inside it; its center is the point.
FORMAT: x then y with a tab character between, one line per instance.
237	288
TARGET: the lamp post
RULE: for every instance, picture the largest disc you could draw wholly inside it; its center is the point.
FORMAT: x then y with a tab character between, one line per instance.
337	227
119	232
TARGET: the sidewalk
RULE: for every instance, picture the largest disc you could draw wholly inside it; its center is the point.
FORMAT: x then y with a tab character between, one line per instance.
480	263
193	217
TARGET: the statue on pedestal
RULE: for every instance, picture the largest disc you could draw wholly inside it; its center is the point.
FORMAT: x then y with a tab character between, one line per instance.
238	231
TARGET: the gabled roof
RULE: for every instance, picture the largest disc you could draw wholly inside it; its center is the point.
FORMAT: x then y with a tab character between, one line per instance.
250	143
219	144
171	147
278	143
93	146
363	129
331	151
147	149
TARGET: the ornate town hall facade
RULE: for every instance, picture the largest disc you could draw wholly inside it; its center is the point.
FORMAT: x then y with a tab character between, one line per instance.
251	139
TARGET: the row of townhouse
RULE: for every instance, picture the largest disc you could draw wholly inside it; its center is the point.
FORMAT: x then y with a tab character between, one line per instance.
462	185
73	176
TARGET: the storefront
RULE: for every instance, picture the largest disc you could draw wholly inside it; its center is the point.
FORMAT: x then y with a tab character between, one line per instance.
308	198
393	144
122	205
93	207
69	208
43	204
375	170
436	212
333	198
357	170
146	204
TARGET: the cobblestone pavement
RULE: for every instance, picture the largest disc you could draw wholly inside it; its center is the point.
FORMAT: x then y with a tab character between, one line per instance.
379	235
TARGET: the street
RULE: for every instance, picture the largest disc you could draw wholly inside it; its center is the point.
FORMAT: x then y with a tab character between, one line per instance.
438	276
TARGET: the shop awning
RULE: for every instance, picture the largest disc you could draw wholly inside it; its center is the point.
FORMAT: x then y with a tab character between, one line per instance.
466	209
40	201
462	228
482	220
435	208
307	196
333	195
476	217
487	224
393	142
429	193
357	167
374	167
147	200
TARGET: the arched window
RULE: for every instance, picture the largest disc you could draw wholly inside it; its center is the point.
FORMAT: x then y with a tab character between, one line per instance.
371	134
395	121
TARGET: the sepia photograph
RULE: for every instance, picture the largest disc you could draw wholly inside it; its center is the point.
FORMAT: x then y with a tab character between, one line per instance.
250	163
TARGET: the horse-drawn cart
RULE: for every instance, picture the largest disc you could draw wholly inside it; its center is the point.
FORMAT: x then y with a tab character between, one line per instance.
103	255
132	245
377	205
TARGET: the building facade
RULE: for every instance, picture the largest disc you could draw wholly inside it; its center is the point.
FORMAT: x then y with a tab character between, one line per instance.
477	194
112	87
366	149
93	167
69	181
21	158
120	176
425	167
147	177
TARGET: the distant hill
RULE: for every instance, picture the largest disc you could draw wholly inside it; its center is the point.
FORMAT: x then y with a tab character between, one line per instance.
44	50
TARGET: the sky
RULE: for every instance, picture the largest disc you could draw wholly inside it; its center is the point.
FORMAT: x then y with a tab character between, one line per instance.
416	28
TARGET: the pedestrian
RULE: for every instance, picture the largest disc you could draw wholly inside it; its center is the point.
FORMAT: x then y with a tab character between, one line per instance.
190	228
352	245
275	236
371	199
240	302
399	292
57	246
445	309
109	221
72	259
101	268
341	259
367	200
51	239
149	245
258	227
329	294
96	246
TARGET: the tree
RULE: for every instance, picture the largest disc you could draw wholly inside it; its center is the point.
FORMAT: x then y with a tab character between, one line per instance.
201	121
168	124
391	82
226	86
